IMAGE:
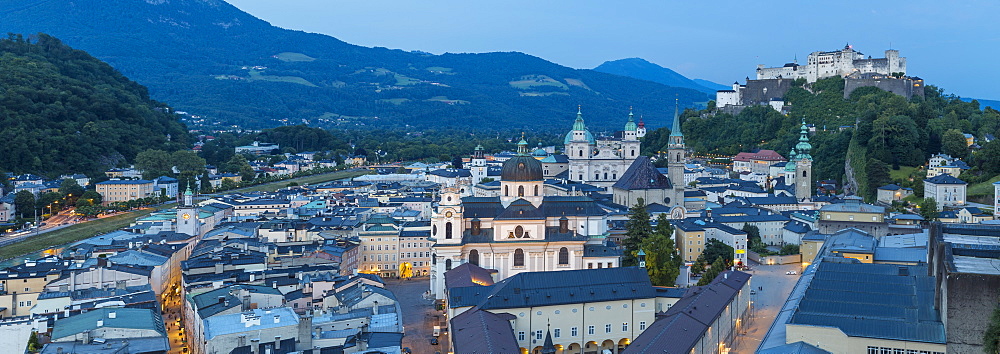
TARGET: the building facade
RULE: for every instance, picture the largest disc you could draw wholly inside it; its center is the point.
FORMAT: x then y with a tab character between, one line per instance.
842	63
600	161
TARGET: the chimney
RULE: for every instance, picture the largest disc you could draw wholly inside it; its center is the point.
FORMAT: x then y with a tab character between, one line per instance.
112	314
277	319
100	323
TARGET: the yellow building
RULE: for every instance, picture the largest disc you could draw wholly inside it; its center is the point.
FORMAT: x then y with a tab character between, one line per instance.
852	213
124	190
586	310
20	285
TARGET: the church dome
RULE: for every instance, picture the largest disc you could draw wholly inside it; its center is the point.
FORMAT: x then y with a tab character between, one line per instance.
539	152
521	168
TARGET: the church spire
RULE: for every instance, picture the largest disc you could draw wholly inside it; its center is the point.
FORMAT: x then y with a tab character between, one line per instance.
803	146
522	146
630	125
675	127
578	124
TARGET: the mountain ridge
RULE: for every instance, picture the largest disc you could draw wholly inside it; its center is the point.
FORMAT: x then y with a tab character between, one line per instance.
210	58
642	69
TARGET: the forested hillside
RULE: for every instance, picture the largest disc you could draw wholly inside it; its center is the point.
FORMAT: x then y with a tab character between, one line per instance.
886	133
63	111
211	59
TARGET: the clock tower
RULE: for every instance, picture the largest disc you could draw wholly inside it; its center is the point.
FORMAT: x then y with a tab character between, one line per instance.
187	216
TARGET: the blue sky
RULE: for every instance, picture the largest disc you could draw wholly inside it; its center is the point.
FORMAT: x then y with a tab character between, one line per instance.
951	44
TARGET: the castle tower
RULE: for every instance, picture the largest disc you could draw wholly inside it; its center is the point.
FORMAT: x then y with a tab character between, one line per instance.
477	165
187	216
446	221
630	138
803	166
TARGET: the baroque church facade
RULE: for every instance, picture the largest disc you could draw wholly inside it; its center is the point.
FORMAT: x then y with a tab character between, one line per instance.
521	230
602	161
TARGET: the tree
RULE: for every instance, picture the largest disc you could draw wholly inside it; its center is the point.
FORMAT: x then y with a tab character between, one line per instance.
206	183
92	196
789	249
878	175
405	270
991	336
238	164
24	203
69	187
456	162
989	158
929	209
715	249
662	261
188	161
154	163
717	268
637	228
227	184
953	143
33	342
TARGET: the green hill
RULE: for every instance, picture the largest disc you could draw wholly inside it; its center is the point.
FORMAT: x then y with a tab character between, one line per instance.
209	58
63	111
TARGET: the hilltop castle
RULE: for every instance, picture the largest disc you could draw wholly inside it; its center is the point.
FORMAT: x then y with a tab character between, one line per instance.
844	62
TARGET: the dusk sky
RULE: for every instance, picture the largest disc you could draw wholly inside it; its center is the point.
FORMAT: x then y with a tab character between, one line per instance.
951	44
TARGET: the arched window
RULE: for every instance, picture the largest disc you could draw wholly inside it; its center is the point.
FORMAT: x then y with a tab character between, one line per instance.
519	231
447	264
581	153
605	175
678	157
447	230
518	258
474	257
564	256
506	192
434	230
520	191
803	173
536	191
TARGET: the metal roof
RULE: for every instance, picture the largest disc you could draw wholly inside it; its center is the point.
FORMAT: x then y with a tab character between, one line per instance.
127	318
532	289
481	331
872	301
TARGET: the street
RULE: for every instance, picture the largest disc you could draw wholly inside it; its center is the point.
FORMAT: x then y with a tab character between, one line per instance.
772	286
419	316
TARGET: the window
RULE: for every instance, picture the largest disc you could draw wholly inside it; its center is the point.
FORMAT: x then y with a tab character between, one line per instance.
536	191
642	325
520	335
538	334
607	328
447	264
625	327
564	256
519	231
573	332
447	230
590	266
590	329
520	191
474	257
556	333
518	257
505	191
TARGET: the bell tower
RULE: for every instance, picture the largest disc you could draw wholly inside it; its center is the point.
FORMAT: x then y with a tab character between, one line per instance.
676	156
803	166
446	222
187	216
477	165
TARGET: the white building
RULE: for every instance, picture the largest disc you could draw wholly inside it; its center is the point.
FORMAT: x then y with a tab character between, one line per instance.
842	63
946	190
521	230
600	161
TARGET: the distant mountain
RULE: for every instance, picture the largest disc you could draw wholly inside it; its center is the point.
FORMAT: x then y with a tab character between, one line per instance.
63	111
209	58
641	69
995	104
712	85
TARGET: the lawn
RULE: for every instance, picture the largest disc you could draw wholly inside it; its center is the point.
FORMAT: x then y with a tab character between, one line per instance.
320	178
290	56
75	233
395	101
985	188
528	82
258	76
902	173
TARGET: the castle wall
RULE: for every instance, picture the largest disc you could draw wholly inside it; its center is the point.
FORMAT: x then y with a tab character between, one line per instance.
903	87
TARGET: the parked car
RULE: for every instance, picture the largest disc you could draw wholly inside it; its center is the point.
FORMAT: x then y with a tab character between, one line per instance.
791	272
434	341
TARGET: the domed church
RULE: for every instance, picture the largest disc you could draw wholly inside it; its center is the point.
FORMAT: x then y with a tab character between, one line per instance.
521	230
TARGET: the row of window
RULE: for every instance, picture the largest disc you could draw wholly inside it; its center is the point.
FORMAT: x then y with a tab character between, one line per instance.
884	350
574	332
599	265
519	257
